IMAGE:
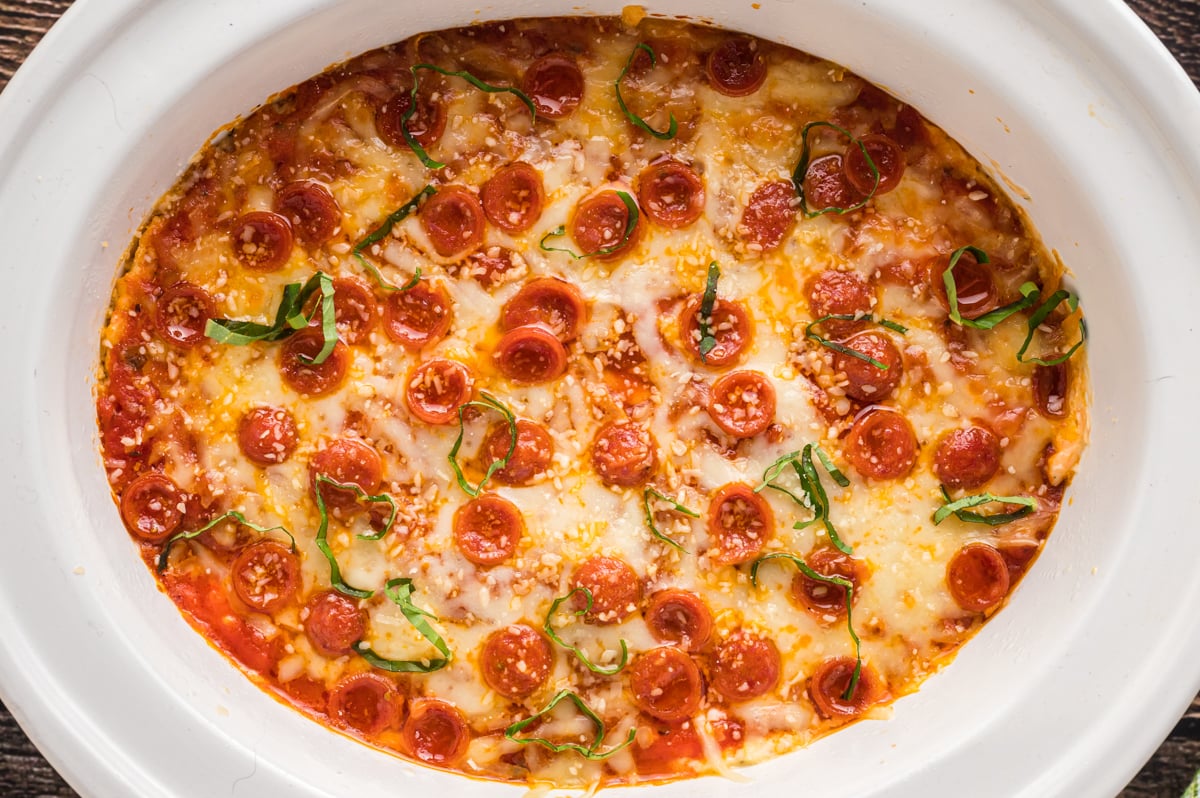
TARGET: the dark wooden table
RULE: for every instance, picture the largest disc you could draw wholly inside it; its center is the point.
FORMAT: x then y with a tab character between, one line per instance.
25	774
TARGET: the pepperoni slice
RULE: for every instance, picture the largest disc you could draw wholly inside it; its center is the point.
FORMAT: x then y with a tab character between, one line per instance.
513	197
436	389
548	301
881	444
739	523
746	666
267	435
308	378
489	268
417	317
829	682
152	507
534	452
769	216
973	285
555	84
313	212
967	458
365	703
826	186
835	293
427	124
436	732
487	529
730	326
516	661
333	623
977	577
182	312
598	226
827	601
742	403
615	587
624	454
680	617
671	193
666	684
453	219
265	576
347	461
262	240
888	159
1050	384
865	381
531	355
736	67
354	310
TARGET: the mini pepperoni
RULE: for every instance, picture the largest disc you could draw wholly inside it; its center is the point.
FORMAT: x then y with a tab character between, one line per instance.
825	600
534	452
265	576
666	684
865	381
671	193
1050	385
736	67
835	293
531	355
826	186
436	389
347	461
828	685
598	226
974	287
615	587
769	216
487	529
547	301
742	403
267	435
680	617
354	310
881	444
555	84
967	458
152	507
887	157
436	732
301	374
513	197
418	316
739	523
730	326
453	219
182	312
624	454
426	125
746	666
364	702
516	661
333	623
262	240
312	210
977	577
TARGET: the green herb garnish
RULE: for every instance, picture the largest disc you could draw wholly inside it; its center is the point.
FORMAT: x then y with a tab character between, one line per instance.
631	221
236	516
488	402
400	592
590	752
1029	294
708	341
802	170
669	133
845	350
1039	315
335	573
382	231
289	318
814	497
548	628
646	494
958	508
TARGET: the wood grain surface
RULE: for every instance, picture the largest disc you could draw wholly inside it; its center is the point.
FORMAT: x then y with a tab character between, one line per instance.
25	774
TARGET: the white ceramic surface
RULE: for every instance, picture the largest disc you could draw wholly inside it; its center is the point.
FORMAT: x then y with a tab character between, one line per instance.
1065	693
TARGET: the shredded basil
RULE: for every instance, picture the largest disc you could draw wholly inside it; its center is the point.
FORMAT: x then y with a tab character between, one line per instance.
646	494
958	508
400	592
1039	316
666	135
708	341
335	573
631	221
833	580
1029	294
488	402
289	317
382	231
845	350
241	519
802	170
548	628
814	497
591	752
